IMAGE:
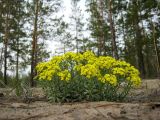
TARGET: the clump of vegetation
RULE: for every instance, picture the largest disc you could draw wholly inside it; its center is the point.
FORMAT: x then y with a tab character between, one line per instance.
86	77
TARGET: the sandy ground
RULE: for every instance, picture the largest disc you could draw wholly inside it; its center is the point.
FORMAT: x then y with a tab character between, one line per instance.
142	104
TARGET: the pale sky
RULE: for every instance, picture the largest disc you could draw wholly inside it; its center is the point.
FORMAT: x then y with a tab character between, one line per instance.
67	12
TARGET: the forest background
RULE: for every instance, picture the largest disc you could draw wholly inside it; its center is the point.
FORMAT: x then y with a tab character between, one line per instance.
33	31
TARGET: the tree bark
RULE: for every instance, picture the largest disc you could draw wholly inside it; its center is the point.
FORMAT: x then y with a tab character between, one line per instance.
6	44
1	57
101	25
17	60
112	28
139	42
34	45
156	50
17	57
2	49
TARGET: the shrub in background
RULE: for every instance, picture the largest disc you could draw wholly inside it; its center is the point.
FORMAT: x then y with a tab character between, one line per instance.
86	77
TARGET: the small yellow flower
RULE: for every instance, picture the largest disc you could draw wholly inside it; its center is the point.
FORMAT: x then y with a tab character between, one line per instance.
89	71
64	75
118	71
111	79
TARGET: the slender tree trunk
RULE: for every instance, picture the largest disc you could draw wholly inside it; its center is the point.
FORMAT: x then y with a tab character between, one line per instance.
76	29
36	56
1	57
139	42
95	13
17	57
17	60
139	51
34	44
101	25
77	43
2	49
6	44
144	37
98	12
124	38
156	50
112	28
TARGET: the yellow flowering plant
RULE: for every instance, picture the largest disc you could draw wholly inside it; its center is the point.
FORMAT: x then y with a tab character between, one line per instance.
78	77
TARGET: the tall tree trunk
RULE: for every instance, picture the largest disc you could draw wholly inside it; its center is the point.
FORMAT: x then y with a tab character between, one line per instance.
124	37
2	49
34	45
146	60
95	11
36	56
100	22
112	28
77	43
6	44
139	51
76	25
101	25
17	57
1	57
17	60
139	42
156	50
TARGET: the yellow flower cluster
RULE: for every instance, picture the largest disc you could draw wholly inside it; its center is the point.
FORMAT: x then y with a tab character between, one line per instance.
88	55
110	79
46	70
106	69
118	71
105	62
64	75
89	70
73	56
133	75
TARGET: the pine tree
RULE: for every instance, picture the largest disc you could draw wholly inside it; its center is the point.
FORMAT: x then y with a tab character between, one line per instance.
6	7
18	42
98	25
112	29
38	12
